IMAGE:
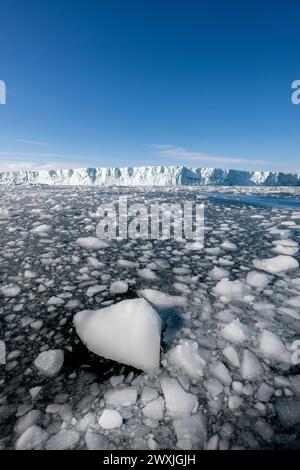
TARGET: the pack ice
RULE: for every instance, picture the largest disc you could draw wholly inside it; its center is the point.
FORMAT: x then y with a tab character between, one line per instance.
126	332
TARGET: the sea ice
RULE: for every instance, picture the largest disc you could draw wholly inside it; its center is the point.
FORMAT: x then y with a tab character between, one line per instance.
251	369
10	290
124	396
110	419
258	280
161	300
272	347
277	265
191	432
91	243
119	287
235	332
178	402
233	291
33	438
154	409
185	356
49	362
126	332
220	372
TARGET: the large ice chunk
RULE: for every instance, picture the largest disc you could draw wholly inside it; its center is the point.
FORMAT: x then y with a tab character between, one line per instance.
127	332
277	265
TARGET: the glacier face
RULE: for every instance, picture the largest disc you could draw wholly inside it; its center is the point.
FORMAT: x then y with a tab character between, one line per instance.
149	176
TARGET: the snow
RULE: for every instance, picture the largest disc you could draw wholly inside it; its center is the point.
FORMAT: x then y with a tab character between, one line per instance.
235	332
233	291
49	363
91	243
277	265
126	332
178	402
185	356
110	419
272	347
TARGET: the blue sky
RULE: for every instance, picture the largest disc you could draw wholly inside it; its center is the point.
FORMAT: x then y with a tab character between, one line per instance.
119	83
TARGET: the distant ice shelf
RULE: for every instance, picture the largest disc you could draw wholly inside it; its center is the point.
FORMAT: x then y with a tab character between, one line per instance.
149	176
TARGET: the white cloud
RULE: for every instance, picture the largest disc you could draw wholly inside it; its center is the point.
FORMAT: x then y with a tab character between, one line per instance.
180	153
41	161
19	165
30	142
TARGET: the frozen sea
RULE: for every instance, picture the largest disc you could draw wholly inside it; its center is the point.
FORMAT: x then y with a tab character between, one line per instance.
228	376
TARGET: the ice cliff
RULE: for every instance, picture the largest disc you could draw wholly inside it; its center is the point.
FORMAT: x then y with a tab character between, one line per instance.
150	176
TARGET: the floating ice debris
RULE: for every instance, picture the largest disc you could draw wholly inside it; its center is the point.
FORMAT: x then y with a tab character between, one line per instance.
235	332
218	273
124	396
161	300
277	265
49	362
178	402
110	419
258	280
251	369
155	409
185	356
65	439
272	347
119	287
31	439
233	291
127	332
191	432
10	290
42	230
92	243
220	372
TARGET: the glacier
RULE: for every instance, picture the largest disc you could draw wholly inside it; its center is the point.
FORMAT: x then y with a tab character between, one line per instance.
148	176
